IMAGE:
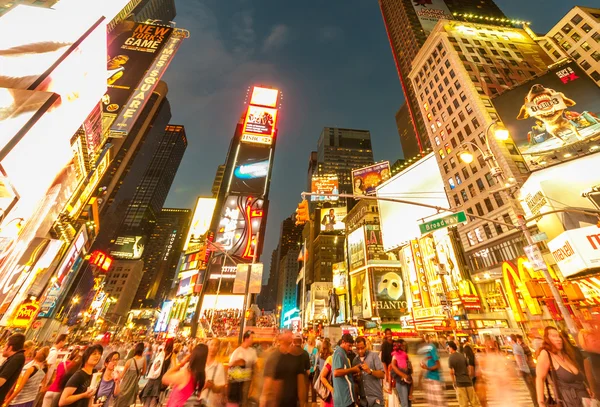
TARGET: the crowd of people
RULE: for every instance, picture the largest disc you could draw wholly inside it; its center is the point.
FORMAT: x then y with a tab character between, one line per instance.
294	370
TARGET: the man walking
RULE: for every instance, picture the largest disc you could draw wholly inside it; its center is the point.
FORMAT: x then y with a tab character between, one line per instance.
343	386
241	363
372	373
459	371
470	355
434	386
523	368
11	368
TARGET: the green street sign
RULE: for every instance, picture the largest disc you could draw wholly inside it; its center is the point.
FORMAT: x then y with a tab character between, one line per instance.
441	223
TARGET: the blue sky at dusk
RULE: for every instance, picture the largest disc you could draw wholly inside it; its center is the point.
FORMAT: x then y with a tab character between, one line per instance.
332	61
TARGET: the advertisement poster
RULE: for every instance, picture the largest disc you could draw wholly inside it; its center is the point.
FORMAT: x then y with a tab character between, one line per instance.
366	180
241	274
389	292
554	117
356	249
260	120
251	170
326	184
203	214
340	277
374	243
332	219
130	54
430	12
361	295
128	247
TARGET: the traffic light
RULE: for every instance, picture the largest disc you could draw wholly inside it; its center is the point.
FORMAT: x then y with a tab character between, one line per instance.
302	215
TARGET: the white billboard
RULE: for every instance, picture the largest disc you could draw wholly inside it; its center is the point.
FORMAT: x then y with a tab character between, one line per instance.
420	183
429	12
576	250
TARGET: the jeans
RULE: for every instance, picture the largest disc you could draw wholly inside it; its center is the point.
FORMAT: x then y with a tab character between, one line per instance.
403	390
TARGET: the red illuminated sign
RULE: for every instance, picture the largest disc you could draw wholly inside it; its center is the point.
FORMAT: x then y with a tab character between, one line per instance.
101	260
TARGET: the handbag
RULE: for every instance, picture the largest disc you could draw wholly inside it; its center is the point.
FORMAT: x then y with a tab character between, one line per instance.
322	390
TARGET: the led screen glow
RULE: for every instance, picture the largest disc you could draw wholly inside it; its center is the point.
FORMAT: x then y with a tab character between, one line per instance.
203	214
264	97
420	183
260	120
325	184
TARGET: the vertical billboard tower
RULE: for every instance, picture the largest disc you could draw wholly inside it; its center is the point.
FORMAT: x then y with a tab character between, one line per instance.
239	219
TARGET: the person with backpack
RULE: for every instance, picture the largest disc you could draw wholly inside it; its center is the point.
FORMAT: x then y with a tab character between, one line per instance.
77	391
133	370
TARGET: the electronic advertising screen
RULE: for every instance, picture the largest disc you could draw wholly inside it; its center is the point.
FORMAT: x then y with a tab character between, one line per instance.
128	247
251	170
552	118
332	219
130	54
325	184
366	180
356	249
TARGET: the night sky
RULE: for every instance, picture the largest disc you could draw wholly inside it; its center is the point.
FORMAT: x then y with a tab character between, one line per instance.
330	59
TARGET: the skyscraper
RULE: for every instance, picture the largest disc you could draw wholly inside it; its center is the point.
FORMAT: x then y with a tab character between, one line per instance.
406	131
407	33
163	10
340	151
218	180
161	255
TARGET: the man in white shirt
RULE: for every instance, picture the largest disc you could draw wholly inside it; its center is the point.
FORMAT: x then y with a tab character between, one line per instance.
241	363
52	358
216	381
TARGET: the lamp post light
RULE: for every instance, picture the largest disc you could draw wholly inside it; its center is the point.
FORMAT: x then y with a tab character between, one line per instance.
533	251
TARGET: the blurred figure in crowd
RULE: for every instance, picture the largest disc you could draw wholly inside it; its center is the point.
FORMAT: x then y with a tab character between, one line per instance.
343	391
433	383
187	377
241	365
523	368
14	361
32	378
590	343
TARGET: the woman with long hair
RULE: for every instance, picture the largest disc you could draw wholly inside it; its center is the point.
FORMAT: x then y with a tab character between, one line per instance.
133	370
109	383
555	359
63	372
77	391
186	378
326	375
30	381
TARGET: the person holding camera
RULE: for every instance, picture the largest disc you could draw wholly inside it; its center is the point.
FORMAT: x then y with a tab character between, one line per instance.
371	375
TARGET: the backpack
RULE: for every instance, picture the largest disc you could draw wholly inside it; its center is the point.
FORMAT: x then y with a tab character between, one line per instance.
156	368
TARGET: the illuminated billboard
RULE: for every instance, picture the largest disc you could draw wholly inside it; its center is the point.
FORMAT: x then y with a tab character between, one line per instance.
419	183
260	120
251	170
325	184
361	295
264	96
203	214
389	291
131	52
366	180
552	118
340	277
374	244
128	247
429	12
356	249
332	219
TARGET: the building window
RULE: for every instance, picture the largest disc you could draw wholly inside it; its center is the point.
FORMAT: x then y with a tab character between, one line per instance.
490	179
463	193
585	46
461	116
507	219
522	167
556	54
452	74
480	185
437	141
441	153
498	228
465	172
576	55
457	85
596	37
558	36
448	129
479	209
453	162
453	142
456	103
458	180
576	19
488	231
456	200
468	130
448	148
468	107
498	199
454	122
596	56
446	169
451	183
586	28
595	76
460	136
567	28
585	64
576	37
488	204
565	45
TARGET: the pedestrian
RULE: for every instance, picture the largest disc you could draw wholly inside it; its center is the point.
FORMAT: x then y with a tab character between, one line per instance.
343	386
554	359
133	370
30	381
325	374
590	343
523	368
216	380
401	372
459	371
187	377
151	392
77	391
109	386
29	348
58	383
313	353
387	347
241	364
372	374
52	360
467	350
14	362
434	386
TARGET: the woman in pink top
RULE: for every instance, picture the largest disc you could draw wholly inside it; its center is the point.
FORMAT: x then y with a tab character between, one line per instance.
72	364
186	377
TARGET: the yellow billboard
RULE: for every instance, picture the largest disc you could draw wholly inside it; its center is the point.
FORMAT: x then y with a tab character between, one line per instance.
203	214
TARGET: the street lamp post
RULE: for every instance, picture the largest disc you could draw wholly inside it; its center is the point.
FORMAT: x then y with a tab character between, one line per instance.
533	251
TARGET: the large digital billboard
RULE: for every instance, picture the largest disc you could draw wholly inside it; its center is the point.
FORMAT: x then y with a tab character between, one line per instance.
554	117
325	184
128	247
332	219
130	54
389	291
366	180
251	170
260	120
419	183
264	96
203	214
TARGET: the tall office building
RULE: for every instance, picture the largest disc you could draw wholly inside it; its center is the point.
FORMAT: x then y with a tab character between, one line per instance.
340	151
161	256
469	64
163	10
267	299
287	289
152	191
218	180
407	32
406	131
